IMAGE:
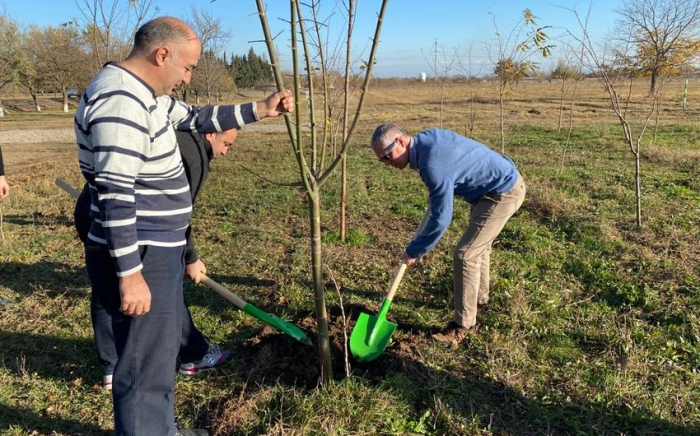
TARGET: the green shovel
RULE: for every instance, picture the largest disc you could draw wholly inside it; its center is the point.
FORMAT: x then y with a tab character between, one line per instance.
278	323
371	333
272	320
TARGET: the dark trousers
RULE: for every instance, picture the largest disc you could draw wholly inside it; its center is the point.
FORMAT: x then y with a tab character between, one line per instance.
193	345
146	346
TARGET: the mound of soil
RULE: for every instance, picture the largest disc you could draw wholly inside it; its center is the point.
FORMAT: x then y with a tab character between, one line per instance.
275	356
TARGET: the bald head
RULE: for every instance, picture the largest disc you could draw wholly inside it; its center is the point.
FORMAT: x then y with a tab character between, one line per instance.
162	31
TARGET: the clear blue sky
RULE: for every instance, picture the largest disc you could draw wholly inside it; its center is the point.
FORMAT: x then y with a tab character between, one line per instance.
410	33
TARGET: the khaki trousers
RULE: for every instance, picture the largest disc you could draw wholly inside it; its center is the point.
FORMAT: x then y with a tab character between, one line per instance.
473	252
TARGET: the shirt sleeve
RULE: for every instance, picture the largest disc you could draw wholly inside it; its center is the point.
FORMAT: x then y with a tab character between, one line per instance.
2	167
207	119
440	200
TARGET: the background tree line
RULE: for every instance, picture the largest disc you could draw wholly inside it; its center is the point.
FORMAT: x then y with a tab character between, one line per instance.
63	58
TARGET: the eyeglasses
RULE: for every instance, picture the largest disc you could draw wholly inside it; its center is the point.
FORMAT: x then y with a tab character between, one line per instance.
387	154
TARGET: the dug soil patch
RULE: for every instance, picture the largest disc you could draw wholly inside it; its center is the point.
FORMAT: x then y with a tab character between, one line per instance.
277	357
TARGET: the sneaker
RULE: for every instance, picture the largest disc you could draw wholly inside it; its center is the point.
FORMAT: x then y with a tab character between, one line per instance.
191	432
214	358
453	335
107	382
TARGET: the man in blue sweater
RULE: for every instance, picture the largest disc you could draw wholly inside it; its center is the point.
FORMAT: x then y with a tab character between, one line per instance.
451	166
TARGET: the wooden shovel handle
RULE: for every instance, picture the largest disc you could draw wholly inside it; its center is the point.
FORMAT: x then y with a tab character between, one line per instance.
397	279
219	289
402	268
68	188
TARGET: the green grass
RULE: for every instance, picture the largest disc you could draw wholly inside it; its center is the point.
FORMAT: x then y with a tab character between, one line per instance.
592	326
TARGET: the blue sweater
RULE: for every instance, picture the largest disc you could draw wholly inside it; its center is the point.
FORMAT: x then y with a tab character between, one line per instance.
453	165
129	156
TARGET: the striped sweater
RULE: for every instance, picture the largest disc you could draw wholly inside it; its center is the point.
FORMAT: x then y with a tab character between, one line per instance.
128	154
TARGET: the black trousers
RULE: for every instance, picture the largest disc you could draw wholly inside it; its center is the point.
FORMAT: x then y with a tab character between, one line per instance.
146	346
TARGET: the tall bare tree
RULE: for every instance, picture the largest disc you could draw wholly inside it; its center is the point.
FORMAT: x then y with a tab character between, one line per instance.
211	75
109	27
314	180
664	34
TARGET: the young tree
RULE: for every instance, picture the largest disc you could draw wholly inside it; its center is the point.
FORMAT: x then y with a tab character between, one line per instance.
611	64
664	34
441	63
314	180
472	78
564	72
513	53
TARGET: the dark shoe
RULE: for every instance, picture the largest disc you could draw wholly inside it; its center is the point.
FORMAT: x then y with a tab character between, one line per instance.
214	358
191	432
453	335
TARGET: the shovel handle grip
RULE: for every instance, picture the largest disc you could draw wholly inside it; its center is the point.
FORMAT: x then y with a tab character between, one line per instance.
219	289
397	279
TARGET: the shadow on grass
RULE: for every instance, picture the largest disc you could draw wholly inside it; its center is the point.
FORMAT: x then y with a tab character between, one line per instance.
50	357
33	423
44	276
39	219
502	409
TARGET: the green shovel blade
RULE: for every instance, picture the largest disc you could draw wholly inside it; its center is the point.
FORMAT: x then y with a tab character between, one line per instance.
371	334
278	323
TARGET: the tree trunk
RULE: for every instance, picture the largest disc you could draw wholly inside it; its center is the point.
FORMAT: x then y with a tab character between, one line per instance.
503	128
561	103
36	103
638	187
65	101
343	195
324	349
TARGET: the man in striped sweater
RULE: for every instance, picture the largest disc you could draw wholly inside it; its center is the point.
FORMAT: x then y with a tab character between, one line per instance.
141	205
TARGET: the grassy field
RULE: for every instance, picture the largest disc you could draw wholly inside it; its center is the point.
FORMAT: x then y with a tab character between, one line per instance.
592	328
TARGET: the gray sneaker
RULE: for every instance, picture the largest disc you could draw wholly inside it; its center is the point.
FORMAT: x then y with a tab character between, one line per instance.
214	358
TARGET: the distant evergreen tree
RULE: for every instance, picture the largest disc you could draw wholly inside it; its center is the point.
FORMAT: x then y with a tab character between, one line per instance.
250	70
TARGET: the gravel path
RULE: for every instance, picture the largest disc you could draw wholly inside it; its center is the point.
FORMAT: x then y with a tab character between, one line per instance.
36	136
65	135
